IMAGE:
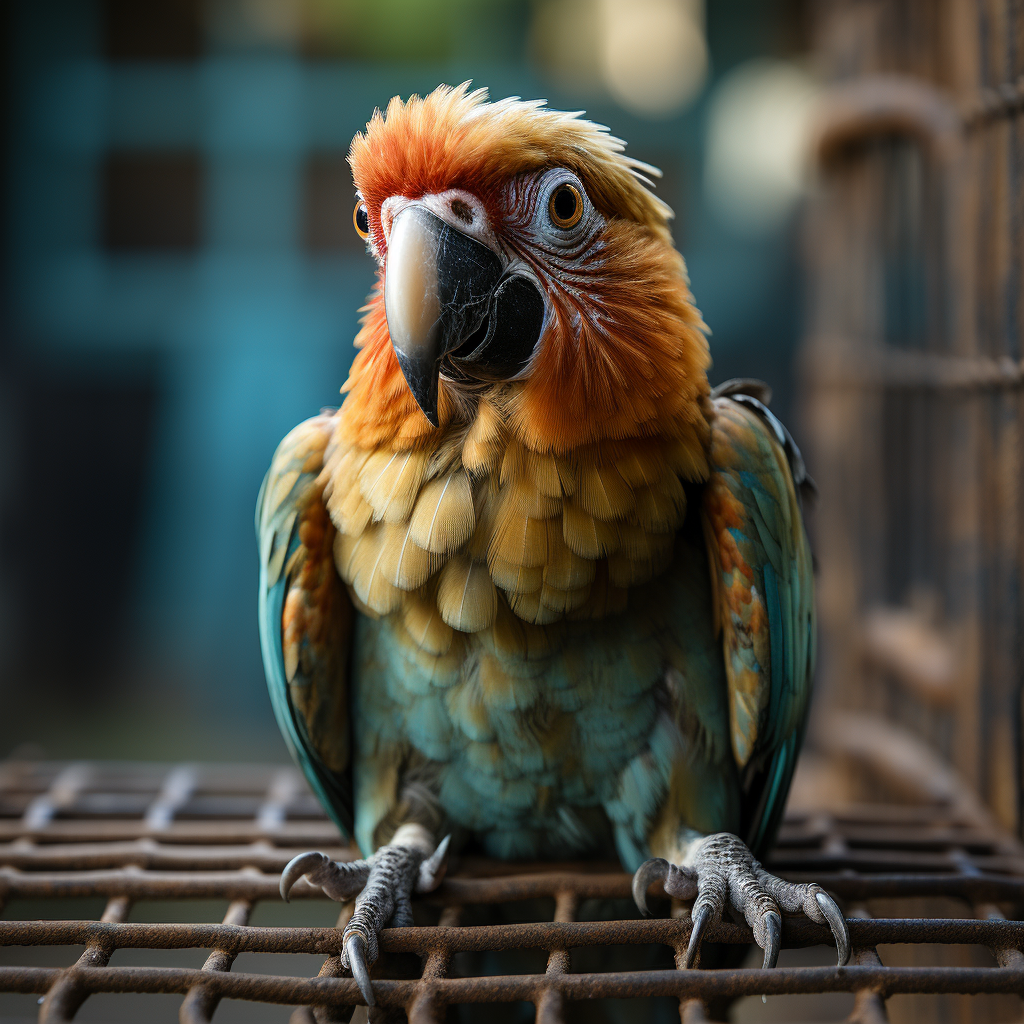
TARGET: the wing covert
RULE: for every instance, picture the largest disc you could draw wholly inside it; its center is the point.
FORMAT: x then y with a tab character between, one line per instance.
305	617
763	585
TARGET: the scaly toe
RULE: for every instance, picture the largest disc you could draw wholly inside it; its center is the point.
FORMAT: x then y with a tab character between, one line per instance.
811	900
340	881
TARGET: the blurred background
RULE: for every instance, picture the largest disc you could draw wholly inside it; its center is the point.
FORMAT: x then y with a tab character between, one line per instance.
181	285
182	282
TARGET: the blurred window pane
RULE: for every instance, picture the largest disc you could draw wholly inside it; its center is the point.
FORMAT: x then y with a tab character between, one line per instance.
152	201
102	441
329	199
153	29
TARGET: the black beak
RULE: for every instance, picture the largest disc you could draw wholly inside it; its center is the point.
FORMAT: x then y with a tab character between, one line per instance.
446	294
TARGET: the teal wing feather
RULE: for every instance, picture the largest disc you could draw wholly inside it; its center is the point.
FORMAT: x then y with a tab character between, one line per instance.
305	618
763	585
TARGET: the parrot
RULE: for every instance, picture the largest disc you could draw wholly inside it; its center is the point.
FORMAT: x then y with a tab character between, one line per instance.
535	585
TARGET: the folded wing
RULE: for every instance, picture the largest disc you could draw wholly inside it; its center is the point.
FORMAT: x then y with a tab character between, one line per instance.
764	601
305	618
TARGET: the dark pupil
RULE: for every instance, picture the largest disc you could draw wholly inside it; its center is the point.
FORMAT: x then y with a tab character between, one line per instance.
362	220
565	203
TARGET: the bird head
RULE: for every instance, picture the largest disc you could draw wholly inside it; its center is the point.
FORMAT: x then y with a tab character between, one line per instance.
525	263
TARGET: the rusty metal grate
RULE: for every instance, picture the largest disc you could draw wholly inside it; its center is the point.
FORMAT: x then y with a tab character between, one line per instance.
144	832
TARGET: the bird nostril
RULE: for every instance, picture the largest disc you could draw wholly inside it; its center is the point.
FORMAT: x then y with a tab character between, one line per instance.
462	210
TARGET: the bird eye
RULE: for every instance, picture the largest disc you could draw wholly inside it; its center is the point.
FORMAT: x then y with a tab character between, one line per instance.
361	219
565	206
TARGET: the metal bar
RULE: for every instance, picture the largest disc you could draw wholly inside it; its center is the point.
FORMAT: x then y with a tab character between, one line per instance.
869	1003
795	860
286	785
807	838
825	367
149	854
691	1011
327	1013
924	814
303	833
200	1003
59	794
425	1008
705	984
228	885
295	833
231	885
925	852
794	841
67	995
550	936
551	1003
1006	955
892	886
174	794
951	852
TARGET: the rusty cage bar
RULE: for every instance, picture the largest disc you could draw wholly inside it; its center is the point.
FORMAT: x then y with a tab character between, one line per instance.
126	833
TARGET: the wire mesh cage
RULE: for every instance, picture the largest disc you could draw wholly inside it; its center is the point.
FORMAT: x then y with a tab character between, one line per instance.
913	380
912	384
102	862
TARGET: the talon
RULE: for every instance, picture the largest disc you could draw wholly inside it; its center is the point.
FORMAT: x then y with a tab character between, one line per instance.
701	918
433	868
298	866
655	869
355	947
837	923
773	942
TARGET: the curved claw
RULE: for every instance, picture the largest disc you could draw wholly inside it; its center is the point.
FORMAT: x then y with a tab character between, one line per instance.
701	919
297	867
433	868
355	947
655	869
837	923
773	943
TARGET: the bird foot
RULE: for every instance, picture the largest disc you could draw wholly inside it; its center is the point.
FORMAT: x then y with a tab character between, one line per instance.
383	886
720	868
